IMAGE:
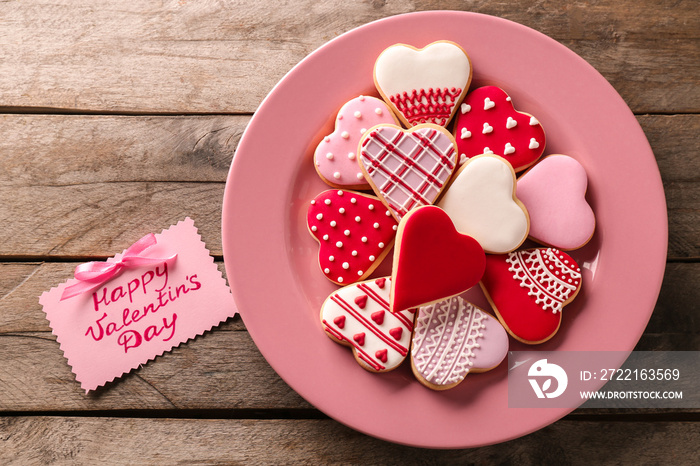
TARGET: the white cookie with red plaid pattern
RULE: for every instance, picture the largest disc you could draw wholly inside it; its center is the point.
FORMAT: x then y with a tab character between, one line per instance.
407	168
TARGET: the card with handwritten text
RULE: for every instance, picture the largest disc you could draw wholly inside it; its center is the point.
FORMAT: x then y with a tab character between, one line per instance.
117	315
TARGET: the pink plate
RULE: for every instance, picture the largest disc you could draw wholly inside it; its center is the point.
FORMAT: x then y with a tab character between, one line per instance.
271	257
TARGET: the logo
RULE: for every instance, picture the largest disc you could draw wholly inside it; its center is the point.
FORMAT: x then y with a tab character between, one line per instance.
543	370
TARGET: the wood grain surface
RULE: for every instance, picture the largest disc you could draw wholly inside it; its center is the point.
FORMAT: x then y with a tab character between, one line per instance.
121	118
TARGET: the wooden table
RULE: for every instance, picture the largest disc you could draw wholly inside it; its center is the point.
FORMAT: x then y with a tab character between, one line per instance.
121	118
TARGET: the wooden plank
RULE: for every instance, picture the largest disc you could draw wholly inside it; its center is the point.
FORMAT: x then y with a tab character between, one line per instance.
103	218
76	440
186	57
39	150
21	284
43	174
60	150
223	369
220	370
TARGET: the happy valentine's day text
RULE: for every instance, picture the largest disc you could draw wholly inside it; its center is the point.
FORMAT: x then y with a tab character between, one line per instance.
108	325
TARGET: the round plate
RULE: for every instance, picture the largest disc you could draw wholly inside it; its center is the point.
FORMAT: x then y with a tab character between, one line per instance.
271	259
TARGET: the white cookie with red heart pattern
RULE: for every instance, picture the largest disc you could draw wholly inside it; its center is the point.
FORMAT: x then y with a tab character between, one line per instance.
358	316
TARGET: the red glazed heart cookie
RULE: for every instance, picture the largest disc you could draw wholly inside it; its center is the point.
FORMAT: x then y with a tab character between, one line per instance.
423	85
453	338
432	260
554	192
528	290
335	157
487	122
355	233
407	168
481	202
358	316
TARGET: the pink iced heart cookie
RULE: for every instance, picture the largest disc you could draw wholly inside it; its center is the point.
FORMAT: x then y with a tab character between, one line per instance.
453	338
335	157
487	123
432	260
407	168
554	192
358	316
528	290
423	85
355	232
481	202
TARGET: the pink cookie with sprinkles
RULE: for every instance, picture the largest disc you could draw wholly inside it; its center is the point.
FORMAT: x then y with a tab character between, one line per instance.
423	85
407	168
358	316
355	232
487	123
335	157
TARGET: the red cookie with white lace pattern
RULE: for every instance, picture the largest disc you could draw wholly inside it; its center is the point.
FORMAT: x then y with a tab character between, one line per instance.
358	316
355	232
487	123
528	289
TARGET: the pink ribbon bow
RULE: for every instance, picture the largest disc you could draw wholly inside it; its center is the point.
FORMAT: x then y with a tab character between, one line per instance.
93	274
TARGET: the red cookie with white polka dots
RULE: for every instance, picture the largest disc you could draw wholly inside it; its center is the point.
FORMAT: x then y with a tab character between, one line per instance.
355	232
487	123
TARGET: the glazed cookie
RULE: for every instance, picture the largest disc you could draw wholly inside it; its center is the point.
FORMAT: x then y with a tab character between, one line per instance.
481	202
528	290
407	168
487	123
355	232
554	192
335	157
453	338
358	316
432	260
423	85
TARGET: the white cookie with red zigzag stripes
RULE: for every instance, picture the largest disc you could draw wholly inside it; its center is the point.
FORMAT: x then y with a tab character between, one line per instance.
358	316
423	85
407	168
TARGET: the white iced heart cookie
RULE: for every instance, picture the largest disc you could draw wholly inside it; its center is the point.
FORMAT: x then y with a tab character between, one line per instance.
481	202
423	85
358	316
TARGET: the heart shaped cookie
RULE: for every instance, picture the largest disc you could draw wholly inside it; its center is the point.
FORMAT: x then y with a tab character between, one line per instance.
488	123
423	85
358	316
528	290
453	338
407	168
355	233
432	260
335	157
554	193
481	202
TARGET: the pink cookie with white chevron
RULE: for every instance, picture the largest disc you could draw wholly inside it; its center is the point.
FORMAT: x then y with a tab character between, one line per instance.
453	338
487	123
358	316
407	168
335	157
423	85
554	192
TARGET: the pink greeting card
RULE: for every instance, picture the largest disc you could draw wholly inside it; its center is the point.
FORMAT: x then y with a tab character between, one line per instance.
116	315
